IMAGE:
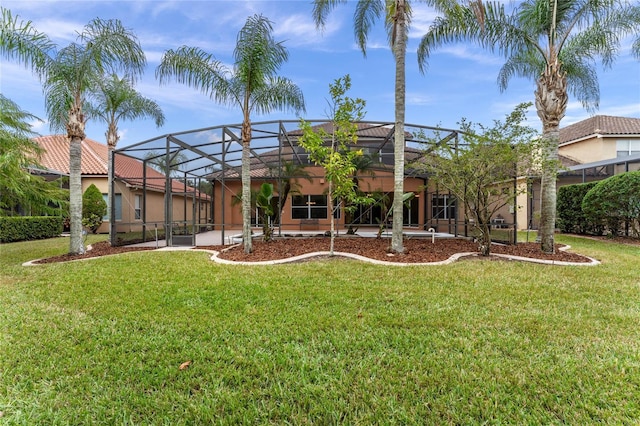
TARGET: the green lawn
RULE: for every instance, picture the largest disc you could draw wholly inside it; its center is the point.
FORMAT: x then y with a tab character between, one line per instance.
336	342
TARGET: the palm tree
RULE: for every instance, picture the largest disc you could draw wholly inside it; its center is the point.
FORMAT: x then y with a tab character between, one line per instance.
169	166
252	85
75	71
397	18
68	75
115	99
553	42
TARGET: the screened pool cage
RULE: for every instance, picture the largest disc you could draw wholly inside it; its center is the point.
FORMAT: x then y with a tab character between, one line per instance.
178	185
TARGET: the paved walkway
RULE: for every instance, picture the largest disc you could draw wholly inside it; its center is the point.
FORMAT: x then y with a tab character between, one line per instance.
234	236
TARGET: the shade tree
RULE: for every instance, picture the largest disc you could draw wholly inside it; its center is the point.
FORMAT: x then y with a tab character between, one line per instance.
481	168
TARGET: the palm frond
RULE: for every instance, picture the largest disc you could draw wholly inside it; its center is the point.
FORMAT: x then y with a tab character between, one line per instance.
321	9
21	41
279	94
113	48
258	55
197	69
364	18
527	64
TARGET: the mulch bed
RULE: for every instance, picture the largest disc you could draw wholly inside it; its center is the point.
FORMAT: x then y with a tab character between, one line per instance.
416	250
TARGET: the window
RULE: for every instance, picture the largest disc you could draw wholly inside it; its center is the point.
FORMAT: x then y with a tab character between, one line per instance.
443	207
627	147
257	217
118	205
337	208
137	206
309	207
410	215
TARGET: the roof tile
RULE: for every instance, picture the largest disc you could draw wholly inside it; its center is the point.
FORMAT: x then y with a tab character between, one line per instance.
600	124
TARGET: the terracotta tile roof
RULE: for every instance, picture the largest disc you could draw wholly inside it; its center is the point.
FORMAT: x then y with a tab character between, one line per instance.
94	162
566	161
600	124
56	155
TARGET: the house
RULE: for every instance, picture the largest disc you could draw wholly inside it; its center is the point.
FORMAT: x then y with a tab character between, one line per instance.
214	154
137	207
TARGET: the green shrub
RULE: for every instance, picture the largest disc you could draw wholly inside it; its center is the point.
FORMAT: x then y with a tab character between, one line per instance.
93	208
24	228
570	217
615	202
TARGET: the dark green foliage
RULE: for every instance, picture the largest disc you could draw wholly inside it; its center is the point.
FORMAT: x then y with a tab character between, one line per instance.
263	201
615	203
571	218
25	228
94	208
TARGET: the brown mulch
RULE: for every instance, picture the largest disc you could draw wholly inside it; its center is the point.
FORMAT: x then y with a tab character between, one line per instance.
416	250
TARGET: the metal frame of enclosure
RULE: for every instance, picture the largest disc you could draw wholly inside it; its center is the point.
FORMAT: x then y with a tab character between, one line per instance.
212	154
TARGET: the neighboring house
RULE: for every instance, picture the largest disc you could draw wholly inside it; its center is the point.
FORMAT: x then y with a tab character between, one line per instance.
135	204
590	150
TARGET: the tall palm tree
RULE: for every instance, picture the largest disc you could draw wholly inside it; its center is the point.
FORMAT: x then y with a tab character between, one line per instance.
74	72
397	19
252	85
116	99
553	42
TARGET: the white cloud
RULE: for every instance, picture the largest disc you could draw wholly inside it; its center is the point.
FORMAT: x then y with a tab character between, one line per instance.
423	17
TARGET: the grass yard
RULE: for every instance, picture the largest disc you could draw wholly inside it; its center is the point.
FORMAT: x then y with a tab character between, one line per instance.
331	342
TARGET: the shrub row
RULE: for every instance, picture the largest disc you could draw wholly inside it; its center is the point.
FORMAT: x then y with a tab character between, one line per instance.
24	228
570	217
610	205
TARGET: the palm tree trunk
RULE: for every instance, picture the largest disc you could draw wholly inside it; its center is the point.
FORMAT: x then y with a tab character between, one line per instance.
76	243
399	50
75	132
246	186
110	207
551	104
112	141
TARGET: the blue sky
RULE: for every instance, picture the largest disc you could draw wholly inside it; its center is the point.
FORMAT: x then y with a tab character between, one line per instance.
460	80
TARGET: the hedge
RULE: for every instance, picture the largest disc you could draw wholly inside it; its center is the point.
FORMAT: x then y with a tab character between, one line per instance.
615	203
24	228
570	217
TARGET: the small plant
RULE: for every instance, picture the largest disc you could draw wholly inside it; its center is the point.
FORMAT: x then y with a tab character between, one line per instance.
263	202
94	208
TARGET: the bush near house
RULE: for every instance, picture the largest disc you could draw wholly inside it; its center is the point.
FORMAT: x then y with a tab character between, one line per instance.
94	208
615	203
25	228
570	217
